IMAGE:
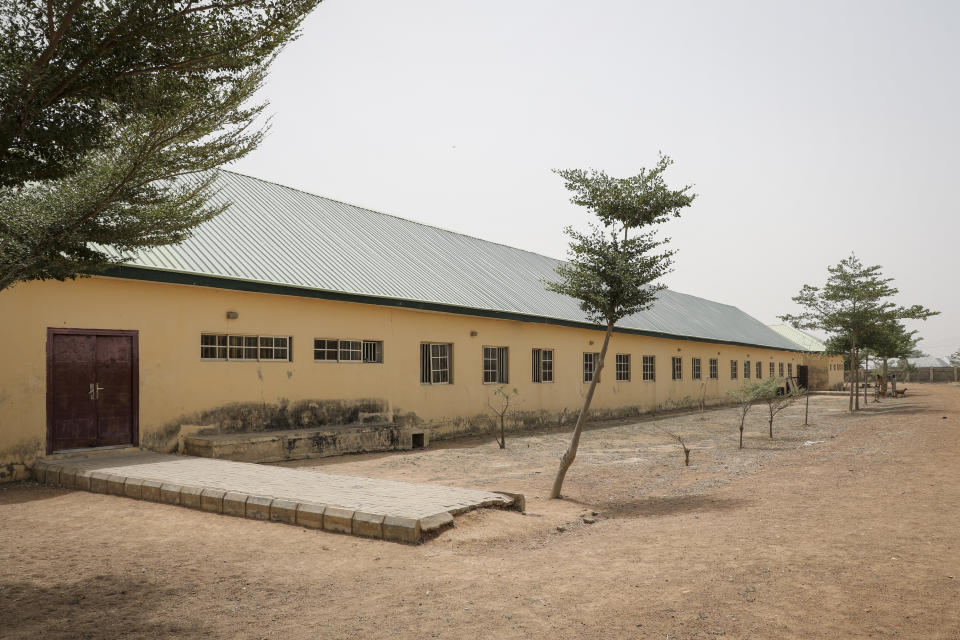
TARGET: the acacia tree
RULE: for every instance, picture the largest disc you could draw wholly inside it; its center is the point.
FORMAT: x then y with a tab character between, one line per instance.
853	301
886	340
774	393
744	396
613	269
104	105
954	358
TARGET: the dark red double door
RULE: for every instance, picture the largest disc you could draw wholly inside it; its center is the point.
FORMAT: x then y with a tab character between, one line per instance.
92	388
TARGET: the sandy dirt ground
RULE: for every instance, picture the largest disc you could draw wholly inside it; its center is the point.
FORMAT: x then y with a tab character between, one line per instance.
855	536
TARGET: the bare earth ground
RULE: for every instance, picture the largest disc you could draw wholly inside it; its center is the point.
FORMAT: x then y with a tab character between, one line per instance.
857	536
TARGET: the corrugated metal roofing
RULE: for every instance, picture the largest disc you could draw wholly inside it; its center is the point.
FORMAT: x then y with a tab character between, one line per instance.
804	340
922	362
279	235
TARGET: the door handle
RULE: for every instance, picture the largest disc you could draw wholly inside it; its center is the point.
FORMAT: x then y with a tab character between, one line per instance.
95	390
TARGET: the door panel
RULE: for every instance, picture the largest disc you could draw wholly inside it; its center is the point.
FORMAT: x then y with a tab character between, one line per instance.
92	387
114	390
74	411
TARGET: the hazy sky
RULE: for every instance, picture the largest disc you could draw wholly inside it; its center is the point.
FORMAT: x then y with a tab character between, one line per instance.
810	130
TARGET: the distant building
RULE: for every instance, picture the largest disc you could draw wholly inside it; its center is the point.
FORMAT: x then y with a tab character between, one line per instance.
294	310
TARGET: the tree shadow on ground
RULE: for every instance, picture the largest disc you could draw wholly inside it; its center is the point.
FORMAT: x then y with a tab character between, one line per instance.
103	606
654	506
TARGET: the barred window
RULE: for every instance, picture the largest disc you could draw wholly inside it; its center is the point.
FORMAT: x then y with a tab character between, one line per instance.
590	365
746	369
781	369
649	368
695	368
436	363
790	369
773	370
542	365
759	370
733	369
218	346
623	367
495	365
714	368
677	368
373	351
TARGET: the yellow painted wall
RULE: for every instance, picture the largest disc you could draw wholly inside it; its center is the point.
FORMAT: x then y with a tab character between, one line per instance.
175	382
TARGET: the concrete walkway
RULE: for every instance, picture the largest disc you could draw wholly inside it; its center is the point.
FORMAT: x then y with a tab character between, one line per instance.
402	511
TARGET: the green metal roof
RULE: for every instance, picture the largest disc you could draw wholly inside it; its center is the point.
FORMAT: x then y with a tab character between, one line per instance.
283	240
804	340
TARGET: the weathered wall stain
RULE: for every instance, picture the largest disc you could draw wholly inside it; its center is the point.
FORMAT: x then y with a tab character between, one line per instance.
19	458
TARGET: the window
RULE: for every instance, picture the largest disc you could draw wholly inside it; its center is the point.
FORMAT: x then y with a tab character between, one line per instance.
759	370
332	350
746	369
677	368
216	346
649	368
351	351
781	369
623	367
714	368
274	348
790	369
590	365
373	351
435	367
773	370
213	347
733	369
495	365
542	365
695	368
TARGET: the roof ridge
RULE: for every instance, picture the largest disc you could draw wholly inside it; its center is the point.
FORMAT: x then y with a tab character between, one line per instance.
390	215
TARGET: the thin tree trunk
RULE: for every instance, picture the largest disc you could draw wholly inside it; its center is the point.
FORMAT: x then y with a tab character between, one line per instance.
856	375
568	457
853	368
771	424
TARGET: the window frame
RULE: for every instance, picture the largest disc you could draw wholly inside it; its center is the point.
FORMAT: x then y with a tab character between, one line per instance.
540	371
714	368
696	368
734	369
255	349
593	357
781	369
773	369
622	365
746	369
759	370
652	369
500	358
429	355
676	367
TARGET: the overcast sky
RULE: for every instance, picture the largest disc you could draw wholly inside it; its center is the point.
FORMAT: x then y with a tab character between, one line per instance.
810	130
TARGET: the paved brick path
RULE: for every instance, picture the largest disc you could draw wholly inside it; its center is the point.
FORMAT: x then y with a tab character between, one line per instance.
360	506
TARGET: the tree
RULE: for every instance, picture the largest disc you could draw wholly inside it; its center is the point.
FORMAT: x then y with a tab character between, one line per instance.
500	408
683	445
611	271
852	302
885	341
105	106
745	396
955	358
774	393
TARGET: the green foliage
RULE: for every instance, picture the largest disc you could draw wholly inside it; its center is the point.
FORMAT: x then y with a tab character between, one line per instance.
854	300
854	306
637	201
610	273
954	358
612	277
105	106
